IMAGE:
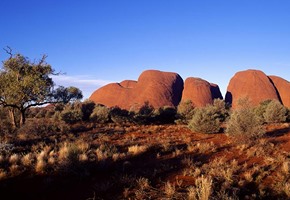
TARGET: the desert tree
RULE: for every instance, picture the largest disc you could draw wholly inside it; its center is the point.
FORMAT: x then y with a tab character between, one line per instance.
25	84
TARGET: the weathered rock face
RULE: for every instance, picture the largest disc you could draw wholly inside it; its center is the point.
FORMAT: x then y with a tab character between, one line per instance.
158	88
200	92
283	89
251	84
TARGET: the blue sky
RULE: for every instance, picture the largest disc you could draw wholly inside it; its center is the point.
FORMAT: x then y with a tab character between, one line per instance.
100	41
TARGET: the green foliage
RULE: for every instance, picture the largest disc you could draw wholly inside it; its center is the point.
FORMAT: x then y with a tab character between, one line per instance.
221	109
275	112
206	120
100	114
271	111
261	109
244	123
72	114
185	111
25	84
65	95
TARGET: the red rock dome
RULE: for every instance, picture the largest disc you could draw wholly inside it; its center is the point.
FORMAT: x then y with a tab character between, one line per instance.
200	92
252	84
158	88
283	89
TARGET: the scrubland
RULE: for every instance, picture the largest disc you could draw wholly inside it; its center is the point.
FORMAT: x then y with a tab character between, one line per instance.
87	151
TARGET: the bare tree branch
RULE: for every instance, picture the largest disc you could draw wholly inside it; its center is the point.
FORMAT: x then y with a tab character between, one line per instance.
8	50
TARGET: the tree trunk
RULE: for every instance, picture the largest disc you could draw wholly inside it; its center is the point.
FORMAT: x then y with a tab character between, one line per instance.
22	117
12	118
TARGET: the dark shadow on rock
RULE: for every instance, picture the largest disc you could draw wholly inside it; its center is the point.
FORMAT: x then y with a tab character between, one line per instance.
215	92
229	98
277	92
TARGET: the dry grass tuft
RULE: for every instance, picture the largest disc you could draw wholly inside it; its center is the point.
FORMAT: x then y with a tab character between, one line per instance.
136	149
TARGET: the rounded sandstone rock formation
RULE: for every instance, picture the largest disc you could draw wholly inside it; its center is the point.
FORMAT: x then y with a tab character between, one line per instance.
283	89
128	84
153	86
200	92
252	84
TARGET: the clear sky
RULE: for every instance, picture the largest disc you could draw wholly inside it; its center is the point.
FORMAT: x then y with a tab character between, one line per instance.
100	41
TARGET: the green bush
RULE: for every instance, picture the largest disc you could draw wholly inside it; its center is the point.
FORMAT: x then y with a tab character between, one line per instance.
275	112
72	113
261	109
244	122
100	114
205	120
221	109
143	115
185	111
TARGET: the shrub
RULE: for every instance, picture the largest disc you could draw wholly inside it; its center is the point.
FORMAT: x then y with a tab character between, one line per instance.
71	114
40	127
165	115
221	109
185	111
143	115
119	115
100	114
87	108
244	122
261	108
205	120
275	112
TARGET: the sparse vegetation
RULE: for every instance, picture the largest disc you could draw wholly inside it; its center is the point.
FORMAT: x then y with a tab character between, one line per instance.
208	119
26	84
82	150
100	114
244	123
185	111
275	112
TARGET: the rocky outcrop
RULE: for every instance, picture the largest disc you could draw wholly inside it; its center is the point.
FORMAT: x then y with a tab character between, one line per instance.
200	92
156	87
283	88
167	89
128	84
252	84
